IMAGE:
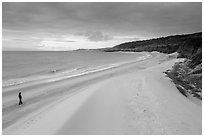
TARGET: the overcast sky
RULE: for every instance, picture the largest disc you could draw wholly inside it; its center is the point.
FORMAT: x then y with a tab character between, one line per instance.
68	26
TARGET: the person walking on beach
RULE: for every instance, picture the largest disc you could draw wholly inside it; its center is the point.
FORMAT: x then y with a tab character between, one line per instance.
20	98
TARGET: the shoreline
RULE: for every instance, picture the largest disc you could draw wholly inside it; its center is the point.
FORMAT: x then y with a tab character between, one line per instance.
137	95
63	72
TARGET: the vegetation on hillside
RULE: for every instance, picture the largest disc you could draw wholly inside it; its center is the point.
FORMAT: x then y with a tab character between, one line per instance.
186	45
186	75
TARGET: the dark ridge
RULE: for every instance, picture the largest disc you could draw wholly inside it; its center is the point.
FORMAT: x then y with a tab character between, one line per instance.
188	46
187	75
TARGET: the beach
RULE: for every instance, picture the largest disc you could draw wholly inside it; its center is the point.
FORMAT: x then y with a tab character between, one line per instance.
124	93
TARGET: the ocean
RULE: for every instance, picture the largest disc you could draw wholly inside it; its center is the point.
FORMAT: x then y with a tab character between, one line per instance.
26	66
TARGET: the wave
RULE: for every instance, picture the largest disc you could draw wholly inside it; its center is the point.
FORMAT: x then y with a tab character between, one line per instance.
60	74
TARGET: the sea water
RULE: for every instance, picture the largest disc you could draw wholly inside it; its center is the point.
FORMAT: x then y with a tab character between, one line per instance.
26	66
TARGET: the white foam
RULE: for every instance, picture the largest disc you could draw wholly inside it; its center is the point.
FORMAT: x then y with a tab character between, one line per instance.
79	71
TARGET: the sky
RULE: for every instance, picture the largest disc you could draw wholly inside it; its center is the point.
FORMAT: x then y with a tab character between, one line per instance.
70	26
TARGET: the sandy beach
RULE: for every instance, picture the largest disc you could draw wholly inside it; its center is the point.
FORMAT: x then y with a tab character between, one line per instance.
129	98
102	68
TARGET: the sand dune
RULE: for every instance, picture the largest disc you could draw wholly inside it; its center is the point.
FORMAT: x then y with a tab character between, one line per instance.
131	98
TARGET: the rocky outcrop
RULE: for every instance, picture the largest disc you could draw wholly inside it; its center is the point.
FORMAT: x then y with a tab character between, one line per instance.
187	75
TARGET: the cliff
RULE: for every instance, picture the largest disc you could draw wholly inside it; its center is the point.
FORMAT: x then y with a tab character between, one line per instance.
186	75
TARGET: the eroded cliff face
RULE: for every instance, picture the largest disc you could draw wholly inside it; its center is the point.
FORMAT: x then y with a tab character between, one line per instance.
187	80
186	75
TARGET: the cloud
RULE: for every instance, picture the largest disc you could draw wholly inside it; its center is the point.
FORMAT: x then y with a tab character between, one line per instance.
58	40
99	22
95	36
106	17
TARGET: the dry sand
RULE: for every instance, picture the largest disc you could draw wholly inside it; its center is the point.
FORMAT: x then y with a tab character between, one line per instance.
132	98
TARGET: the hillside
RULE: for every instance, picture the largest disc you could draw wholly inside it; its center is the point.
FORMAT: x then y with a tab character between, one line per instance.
186	75
185	45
